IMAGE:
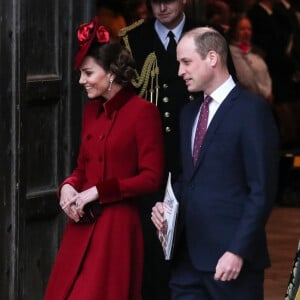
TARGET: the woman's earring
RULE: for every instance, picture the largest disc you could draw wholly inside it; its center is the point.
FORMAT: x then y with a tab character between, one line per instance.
110	84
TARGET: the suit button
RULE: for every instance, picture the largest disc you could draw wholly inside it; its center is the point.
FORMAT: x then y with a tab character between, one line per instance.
168	129
165	99
191	97
167	114
165	86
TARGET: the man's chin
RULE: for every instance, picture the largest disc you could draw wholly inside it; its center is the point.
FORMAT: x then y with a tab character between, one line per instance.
190	89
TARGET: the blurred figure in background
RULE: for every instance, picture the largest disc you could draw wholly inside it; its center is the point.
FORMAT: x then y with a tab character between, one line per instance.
218	12
252	71
269	36
286	15
111	15
136	10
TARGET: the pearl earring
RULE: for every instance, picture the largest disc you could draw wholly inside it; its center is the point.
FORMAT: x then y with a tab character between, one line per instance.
110	84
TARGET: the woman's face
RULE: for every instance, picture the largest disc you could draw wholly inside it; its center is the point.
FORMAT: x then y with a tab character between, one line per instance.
94	78
244	31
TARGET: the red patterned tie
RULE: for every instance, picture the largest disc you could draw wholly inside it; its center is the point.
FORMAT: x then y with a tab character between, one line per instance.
201	128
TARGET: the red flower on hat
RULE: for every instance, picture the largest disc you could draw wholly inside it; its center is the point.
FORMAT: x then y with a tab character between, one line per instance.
102	35
86	34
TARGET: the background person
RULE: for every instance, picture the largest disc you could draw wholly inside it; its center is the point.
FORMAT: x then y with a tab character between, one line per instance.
120	159
251	69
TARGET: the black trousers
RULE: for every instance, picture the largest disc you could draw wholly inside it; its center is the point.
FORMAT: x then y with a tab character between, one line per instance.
187	283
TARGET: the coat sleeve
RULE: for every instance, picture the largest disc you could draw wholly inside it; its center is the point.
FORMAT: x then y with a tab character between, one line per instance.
148	178
260	159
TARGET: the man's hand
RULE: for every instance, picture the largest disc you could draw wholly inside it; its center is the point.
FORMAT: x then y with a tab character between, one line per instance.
228	267
157	215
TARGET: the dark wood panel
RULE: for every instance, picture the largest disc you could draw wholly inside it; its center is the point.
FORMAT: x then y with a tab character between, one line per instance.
43	37
283	231
41	149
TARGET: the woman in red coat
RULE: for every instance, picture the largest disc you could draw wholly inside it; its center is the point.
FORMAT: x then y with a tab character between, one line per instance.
120	159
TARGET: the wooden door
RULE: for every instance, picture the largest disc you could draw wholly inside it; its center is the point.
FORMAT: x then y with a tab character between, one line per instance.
40	112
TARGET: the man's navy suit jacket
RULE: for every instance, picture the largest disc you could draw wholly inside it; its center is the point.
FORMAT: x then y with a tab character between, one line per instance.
226	198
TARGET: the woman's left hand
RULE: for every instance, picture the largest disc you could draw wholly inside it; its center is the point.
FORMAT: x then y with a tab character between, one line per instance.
85	197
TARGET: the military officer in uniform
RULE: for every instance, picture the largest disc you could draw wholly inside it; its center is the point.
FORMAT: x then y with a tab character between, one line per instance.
157	68
154	49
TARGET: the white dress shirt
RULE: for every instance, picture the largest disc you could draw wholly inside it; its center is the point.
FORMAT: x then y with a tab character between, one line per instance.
218	96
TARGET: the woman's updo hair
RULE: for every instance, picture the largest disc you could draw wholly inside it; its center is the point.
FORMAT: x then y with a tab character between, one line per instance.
115	58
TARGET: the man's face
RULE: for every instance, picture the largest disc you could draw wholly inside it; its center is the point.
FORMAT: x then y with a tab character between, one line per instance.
169	13
195	71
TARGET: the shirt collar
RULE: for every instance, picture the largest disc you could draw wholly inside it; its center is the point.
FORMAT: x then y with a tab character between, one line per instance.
223	90
163	31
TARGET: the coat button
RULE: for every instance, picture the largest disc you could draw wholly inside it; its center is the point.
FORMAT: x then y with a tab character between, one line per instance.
168	129
191	97
165	86
167	114
165	99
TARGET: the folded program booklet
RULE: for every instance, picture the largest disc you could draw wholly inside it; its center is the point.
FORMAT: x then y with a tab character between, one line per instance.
167	234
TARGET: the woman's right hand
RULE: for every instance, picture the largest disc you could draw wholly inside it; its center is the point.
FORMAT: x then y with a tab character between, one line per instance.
67	201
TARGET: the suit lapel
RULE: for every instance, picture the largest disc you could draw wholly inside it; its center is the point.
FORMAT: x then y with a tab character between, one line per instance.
216	122
187	136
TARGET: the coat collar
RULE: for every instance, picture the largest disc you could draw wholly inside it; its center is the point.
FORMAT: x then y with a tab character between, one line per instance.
116	102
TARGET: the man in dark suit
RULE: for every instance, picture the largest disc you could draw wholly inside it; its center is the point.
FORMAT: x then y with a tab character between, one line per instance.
228	183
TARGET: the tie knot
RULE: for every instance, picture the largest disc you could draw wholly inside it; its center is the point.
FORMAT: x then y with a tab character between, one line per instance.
207	100
171	35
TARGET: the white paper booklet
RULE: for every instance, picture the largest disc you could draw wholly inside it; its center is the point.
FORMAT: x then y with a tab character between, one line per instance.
167	235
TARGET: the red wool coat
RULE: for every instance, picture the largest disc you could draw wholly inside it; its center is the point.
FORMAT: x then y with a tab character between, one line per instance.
121	154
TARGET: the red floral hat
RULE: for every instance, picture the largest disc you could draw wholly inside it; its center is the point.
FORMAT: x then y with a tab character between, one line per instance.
87	33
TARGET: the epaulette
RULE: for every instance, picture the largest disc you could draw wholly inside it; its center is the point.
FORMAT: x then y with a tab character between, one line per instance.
147	81
128	28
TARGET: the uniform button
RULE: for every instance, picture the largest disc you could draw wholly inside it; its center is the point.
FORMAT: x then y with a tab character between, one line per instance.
191	97
165	86
168	129
165	99
167	114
